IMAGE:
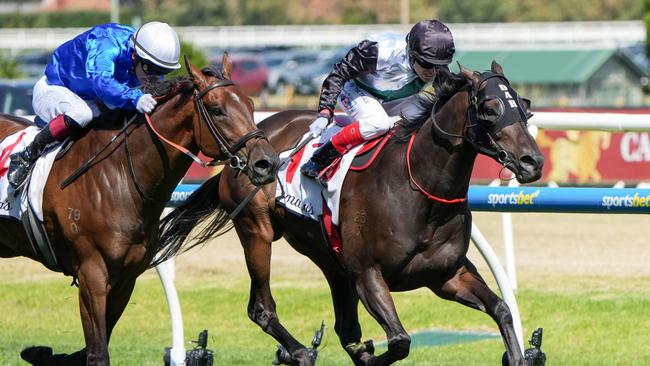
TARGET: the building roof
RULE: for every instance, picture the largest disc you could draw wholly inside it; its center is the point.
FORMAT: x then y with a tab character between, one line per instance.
545	66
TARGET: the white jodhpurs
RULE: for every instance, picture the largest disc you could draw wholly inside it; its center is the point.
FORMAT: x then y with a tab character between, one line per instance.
50	101
364	107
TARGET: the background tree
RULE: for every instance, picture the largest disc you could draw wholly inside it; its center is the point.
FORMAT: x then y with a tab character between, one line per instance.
9	68
582	10
278	12
647	27
358	15
473	11
197	57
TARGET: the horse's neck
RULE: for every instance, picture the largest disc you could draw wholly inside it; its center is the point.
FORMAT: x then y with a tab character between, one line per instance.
442	165
157	166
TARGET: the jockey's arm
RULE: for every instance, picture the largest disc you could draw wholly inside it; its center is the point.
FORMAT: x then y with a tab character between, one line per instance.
415	107
100	68
359	60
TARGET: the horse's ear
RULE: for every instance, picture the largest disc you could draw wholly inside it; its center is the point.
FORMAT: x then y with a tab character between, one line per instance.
496	68
227	65
468	74
195	74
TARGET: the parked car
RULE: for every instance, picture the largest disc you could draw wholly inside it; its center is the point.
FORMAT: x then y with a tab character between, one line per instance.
16	96
249	72
309	78
282	65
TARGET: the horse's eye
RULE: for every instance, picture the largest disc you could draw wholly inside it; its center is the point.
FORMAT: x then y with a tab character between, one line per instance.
216	110
490	110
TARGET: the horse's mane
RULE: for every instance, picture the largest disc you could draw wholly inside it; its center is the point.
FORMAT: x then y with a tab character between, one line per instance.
447	85
167	89
164	89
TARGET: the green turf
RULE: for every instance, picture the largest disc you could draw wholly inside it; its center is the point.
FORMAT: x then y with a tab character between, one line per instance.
436	337
593	323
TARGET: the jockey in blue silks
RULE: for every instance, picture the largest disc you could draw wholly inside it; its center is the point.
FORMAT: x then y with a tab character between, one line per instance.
104	65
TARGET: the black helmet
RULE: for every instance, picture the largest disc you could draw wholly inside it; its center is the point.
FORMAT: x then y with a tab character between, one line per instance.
431	43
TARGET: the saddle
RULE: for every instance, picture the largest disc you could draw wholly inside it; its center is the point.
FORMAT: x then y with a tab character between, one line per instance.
369	152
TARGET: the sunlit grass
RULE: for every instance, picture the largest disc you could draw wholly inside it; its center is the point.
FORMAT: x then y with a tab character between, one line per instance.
584	279
594	327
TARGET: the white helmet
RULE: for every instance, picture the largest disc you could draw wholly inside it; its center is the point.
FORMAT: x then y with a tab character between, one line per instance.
158	43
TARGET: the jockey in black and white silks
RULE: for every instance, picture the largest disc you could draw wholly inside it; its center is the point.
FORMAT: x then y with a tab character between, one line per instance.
383	68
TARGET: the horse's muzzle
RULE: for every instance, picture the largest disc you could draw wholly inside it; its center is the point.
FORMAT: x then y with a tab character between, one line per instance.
530	168
262	171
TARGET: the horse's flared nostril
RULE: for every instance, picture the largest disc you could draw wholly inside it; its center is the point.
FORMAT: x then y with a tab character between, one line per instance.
263	166
535	161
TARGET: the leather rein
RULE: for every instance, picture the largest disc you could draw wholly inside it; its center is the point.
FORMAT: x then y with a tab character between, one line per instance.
230	151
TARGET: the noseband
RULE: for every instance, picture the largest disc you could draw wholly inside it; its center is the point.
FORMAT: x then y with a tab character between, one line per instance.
230	151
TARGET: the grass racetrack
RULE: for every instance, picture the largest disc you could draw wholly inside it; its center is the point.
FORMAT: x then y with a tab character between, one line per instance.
583	278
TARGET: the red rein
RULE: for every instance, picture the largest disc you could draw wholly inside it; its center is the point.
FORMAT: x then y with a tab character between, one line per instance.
427	194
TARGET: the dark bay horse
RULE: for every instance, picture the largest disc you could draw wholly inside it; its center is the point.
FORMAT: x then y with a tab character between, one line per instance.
404	221
104	226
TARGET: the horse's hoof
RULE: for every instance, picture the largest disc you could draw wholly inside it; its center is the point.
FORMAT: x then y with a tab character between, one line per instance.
362	353
302	357
37	355
43	356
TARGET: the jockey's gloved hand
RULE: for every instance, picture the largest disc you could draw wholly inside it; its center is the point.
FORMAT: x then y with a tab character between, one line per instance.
146	104
317	127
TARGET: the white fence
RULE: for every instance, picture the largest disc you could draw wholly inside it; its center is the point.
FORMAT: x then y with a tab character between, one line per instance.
466	35
567	121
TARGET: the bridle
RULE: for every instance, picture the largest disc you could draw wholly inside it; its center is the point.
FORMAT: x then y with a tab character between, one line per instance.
230	151
480	133
474	123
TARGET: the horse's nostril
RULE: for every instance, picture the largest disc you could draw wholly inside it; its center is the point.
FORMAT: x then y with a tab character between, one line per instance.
536	161
262	165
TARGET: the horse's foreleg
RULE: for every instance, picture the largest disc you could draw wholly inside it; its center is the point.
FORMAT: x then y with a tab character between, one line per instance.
118	298
375	296
256	240
93	292
467	287
347	325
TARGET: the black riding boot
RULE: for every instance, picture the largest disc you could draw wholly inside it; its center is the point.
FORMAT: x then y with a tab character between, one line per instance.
322	158
22	161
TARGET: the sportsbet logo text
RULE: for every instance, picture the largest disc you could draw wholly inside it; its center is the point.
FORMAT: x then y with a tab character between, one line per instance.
626	201
513	198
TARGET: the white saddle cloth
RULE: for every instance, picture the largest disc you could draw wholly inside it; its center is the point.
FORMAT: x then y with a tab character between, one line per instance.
14	204
303	195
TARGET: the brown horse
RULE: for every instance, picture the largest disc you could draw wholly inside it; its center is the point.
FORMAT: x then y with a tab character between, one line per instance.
416	235
104	225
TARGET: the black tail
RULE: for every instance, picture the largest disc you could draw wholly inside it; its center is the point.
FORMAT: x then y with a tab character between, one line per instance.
202	206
